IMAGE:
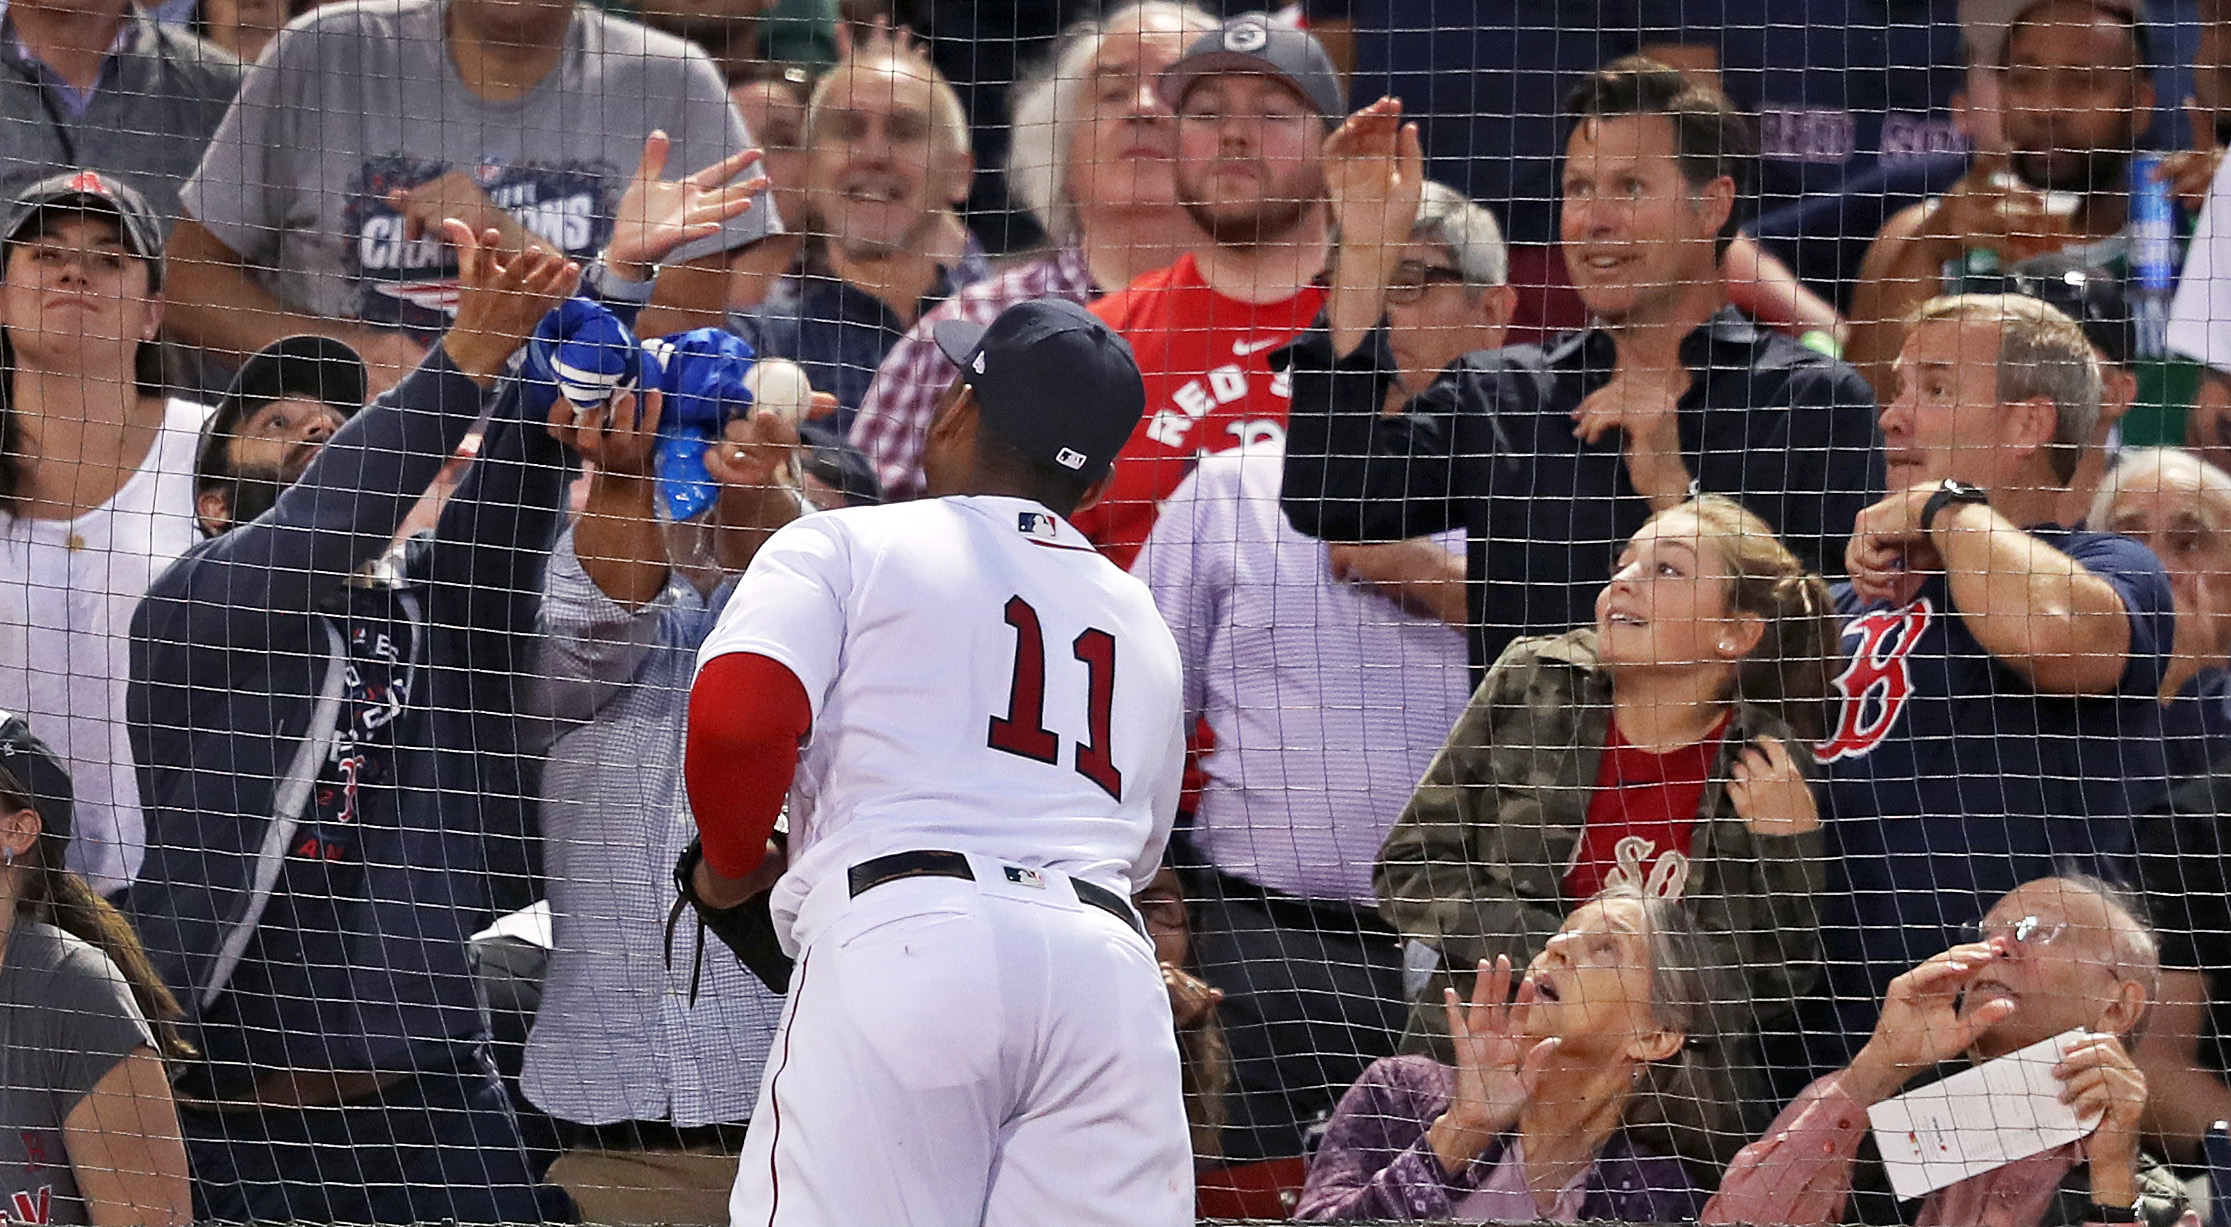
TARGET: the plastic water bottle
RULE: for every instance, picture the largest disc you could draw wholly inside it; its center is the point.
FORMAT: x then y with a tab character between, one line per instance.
2153	256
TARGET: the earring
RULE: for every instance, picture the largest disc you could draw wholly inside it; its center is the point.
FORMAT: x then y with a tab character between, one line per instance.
1727	647
7	856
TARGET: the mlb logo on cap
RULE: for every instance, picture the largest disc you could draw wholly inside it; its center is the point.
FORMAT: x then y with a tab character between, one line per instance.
1065	389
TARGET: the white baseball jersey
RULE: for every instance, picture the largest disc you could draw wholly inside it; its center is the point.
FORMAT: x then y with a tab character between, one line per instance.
982	680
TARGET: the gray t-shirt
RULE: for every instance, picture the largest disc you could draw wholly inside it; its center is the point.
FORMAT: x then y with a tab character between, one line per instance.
353	101
66	1019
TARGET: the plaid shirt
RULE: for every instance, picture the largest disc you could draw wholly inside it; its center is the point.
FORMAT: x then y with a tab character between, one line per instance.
895	415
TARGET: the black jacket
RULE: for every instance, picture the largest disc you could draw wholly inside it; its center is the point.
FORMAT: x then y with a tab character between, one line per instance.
1489	448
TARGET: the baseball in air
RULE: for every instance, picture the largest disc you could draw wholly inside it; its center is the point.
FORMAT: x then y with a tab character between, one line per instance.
779	384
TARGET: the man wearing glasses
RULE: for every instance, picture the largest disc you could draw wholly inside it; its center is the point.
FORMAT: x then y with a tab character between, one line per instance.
1556	453
2052	956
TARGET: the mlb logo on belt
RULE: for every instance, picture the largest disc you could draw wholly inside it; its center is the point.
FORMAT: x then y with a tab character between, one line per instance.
1025	877
1036	524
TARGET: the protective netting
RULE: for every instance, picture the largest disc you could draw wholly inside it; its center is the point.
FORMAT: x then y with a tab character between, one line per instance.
797	611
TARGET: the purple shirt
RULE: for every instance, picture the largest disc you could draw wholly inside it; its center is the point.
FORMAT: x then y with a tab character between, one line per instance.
1375	1162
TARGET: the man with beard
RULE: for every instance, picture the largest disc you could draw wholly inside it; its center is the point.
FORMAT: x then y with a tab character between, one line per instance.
1554	453
1253	100
2074	97
287	400
887	160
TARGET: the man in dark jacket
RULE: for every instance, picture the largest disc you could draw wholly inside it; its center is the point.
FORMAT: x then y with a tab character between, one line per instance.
325	733
1555	455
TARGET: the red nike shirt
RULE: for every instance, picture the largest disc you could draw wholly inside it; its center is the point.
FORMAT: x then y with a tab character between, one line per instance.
1642	819
1209	388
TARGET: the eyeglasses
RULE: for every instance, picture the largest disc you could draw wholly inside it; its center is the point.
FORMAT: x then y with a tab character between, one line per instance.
1411	281
2028	931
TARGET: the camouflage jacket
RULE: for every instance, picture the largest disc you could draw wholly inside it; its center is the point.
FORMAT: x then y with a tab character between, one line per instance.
1475	866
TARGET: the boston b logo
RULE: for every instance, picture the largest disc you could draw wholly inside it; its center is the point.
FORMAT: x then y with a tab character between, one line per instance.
1874	686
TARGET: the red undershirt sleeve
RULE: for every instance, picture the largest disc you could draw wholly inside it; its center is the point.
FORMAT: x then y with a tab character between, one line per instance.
748	715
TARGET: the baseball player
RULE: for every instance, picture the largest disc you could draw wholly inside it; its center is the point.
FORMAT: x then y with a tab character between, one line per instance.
976	720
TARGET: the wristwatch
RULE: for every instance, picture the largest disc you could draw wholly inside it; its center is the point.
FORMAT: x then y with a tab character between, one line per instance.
1952	491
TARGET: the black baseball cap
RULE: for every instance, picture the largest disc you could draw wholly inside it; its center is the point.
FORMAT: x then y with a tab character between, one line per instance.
1256	43
2093	296
35	770
1053	380
312	367
90	191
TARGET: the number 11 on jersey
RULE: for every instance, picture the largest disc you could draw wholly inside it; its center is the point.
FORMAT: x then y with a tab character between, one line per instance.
1023	732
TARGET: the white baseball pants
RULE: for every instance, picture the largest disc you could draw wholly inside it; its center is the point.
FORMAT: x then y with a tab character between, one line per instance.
957	1053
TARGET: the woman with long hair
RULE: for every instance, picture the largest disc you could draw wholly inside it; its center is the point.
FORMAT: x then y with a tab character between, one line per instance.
1598	1090
96	484
88	1129
1660	748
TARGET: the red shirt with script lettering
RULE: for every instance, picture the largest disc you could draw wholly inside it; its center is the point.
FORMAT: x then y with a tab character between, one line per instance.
1642	820
1209	388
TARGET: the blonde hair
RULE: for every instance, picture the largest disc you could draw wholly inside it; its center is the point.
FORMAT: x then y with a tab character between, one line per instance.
1791	668
1046	109
2042	352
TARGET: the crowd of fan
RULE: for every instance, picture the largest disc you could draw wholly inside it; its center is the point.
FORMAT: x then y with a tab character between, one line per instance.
329	635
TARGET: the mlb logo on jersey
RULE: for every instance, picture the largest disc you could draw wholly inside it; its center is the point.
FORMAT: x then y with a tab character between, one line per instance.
1024	877
1036	524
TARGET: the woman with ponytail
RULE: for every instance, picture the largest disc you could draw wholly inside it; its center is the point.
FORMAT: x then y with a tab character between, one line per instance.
1664	748
88	1129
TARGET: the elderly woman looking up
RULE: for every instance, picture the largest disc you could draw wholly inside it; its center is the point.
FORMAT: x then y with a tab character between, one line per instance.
2179	506
1564	1100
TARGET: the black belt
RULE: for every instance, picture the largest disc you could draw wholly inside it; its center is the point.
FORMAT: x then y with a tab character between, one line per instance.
867	875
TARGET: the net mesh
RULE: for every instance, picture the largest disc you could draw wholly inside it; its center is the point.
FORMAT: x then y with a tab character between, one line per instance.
1656	648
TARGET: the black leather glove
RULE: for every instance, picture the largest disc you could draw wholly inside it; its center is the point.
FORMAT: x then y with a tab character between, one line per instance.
748	928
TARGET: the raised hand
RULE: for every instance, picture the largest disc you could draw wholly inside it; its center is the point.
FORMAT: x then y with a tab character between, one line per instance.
618	437
455	194
659	216
2102	1083
1497	1065
754	451
501	297
2190	171
1375	177
1921	1022
1770	792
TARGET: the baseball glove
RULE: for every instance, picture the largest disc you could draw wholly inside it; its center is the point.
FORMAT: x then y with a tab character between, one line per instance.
747	928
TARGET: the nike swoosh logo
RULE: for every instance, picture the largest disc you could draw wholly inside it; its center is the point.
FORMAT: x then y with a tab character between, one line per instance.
1244	348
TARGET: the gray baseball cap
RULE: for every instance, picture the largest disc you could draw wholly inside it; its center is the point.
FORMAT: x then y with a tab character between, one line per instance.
1258	44
90	191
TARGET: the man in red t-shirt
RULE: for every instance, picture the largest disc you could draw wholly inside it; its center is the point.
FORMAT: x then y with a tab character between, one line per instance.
1254	102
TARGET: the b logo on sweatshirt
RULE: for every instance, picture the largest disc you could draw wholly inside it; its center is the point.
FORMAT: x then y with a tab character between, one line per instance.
1874	686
